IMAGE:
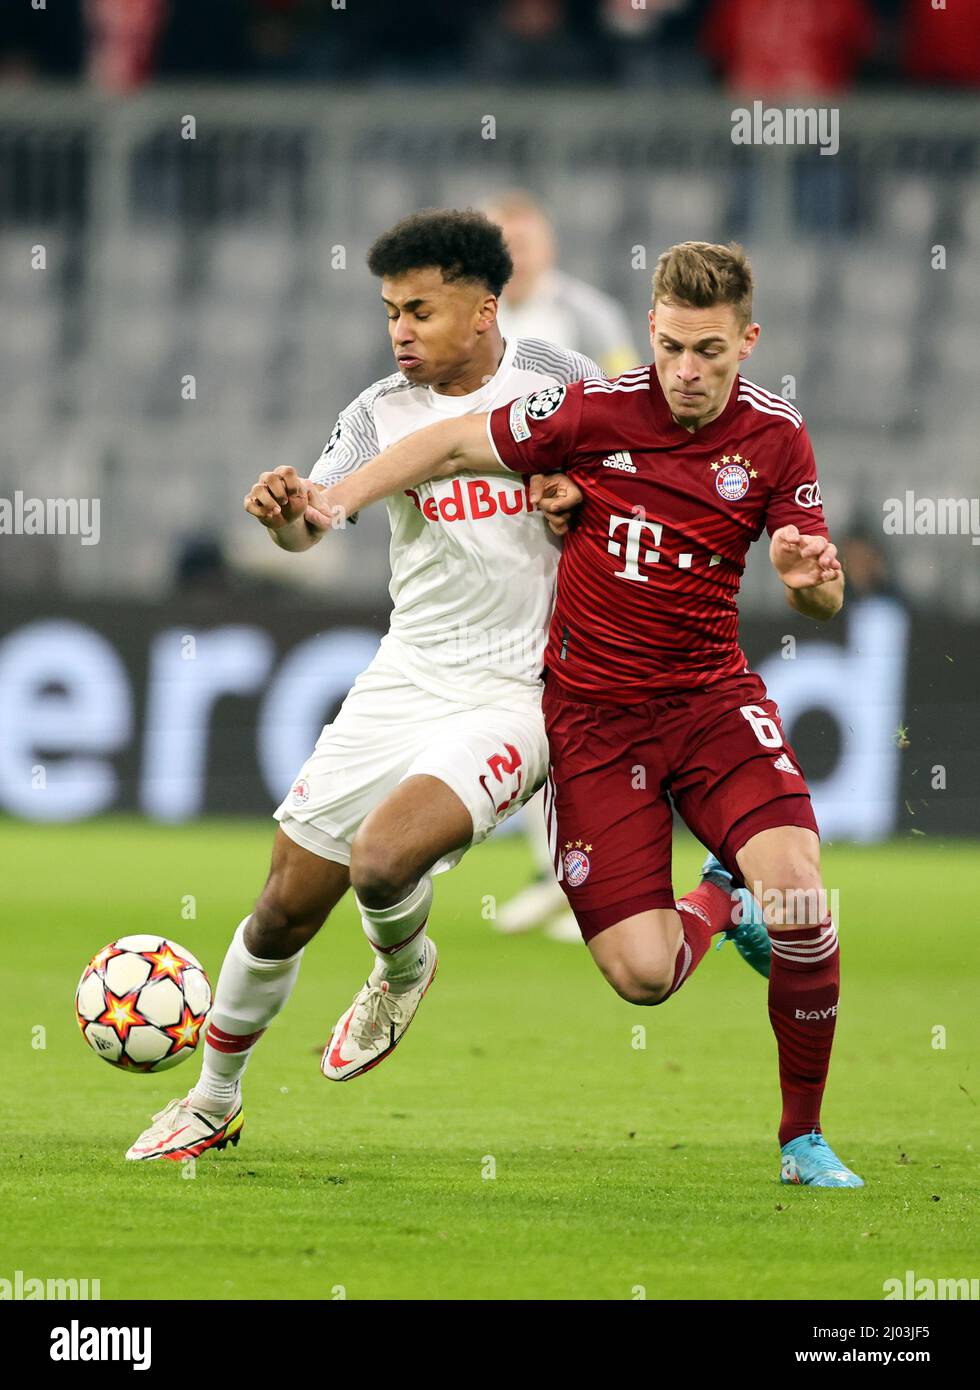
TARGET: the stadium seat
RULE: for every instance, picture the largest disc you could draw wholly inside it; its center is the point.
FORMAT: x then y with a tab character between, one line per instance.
246	266
681	209
878	287
141	264
19	280
906	207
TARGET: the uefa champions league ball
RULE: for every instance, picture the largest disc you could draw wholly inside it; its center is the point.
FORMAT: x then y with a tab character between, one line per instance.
142	1003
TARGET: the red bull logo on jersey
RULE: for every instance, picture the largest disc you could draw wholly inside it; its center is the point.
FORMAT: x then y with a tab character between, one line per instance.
473	500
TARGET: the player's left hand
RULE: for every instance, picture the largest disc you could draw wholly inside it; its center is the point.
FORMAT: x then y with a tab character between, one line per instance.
557	497
324	512
802	562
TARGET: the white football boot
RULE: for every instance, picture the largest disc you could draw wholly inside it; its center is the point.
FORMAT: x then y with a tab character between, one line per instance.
375	1023
180	1130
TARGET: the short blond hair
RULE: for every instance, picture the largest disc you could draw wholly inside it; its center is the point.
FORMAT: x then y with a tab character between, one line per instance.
700	274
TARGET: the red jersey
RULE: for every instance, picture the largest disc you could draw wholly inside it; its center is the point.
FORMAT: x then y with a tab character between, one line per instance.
648	578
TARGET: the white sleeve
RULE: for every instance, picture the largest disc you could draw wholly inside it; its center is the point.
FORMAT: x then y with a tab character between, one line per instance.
354	440
564	365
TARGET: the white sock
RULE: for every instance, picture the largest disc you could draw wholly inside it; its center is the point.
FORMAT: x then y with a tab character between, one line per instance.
250	993
397	936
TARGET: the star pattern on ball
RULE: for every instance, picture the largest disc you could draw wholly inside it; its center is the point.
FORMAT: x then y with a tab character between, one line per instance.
101	959
166	965
185	1033
120	1014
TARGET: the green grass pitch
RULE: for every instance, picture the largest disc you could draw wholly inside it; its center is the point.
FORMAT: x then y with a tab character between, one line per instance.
617	1170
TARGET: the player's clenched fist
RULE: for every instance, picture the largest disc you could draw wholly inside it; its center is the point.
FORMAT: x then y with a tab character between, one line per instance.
558	498
278	497
803	561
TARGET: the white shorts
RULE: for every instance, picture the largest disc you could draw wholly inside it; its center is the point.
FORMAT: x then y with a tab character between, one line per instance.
387	729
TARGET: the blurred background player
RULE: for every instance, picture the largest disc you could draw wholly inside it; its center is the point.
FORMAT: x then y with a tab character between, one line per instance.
543	301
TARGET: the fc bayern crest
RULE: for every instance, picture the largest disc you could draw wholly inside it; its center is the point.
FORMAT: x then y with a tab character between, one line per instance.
732	482
301	792
545	403
577	867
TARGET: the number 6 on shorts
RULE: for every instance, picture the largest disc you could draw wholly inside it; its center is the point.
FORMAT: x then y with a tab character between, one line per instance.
765	729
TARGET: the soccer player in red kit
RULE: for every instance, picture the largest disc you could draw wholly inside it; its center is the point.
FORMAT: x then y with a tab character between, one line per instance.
649	702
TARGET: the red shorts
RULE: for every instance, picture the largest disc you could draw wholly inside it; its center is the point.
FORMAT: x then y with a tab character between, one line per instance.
717	754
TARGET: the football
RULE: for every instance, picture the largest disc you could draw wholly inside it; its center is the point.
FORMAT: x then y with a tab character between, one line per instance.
142	1003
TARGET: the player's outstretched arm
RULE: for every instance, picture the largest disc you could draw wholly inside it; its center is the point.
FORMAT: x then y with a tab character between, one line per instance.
279	501
439	451
810	571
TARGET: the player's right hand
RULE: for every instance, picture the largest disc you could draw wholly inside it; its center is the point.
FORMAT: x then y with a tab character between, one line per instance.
278	497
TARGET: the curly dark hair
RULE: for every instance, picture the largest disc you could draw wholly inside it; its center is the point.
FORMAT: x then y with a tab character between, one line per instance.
464	245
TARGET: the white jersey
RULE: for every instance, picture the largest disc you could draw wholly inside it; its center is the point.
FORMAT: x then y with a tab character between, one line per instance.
472	567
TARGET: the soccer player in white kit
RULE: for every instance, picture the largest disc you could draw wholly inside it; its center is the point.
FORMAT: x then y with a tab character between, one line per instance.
442	737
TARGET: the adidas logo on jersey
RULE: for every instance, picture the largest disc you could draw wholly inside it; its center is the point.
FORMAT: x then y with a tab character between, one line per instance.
621	460
783	764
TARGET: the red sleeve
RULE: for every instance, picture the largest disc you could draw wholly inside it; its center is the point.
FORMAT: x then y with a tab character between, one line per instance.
537	433
795	500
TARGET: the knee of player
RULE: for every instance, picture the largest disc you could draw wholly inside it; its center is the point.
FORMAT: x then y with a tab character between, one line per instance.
797	898
378	874
644	983
277	927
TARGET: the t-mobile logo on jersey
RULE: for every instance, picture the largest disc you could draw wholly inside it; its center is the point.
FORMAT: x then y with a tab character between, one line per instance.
474	501
634	530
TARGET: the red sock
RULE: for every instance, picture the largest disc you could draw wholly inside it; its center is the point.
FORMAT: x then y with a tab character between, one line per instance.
704	912
804	986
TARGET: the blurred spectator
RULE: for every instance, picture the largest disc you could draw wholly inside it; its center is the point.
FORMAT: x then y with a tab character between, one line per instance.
538	41
655	42
865	565
122	39
942	46
541	301
200	566
775	48
764	47
202	572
